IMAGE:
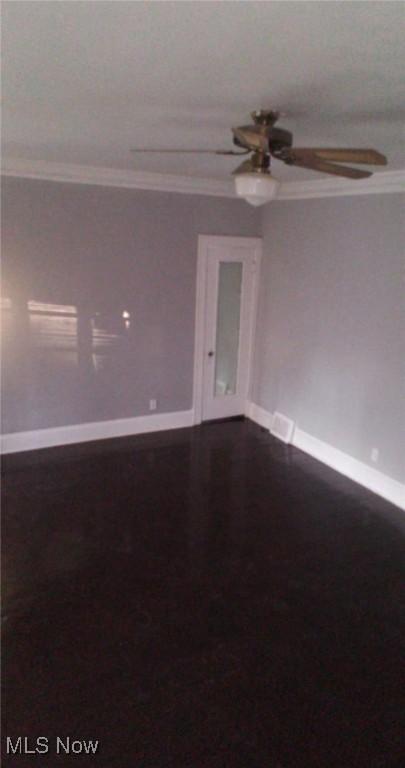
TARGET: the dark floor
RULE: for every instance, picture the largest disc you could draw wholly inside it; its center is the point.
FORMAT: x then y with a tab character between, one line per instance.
205	598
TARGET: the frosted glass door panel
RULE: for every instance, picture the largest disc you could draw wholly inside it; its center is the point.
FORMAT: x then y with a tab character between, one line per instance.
228	327
226	311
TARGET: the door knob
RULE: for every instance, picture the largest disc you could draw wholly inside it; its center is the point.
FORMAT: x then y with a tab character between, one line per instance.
210	353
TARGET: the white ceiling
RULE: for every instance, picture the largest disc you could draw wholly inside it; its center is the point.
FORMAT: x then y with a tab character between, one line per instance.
84	82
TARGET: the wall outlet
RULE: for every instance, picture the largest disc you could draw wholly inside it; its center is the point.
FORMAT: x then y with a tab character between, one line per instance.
374	455
152	405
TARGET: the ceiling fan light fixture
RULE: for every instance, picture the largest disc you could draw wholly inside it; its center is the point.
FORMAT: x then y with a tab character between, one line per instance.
256	188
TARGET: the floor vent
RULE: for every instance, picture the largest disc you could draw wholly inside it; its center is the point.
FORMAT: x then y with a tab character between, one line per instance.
282	427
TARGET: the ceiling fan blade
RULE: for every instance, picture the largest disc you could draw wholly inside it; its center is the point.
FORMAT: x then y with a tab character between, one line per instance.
194	151
253	137
367	156
324	167
245	167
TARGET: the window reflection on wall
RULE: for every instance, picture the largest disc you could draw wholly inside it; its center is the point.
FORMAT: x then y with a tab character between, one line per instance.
59	361
53	327
71	335
105	329
5	306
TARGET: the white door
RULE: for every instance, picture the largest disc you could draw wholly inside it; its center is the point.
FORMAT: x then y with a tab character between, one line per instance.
229	268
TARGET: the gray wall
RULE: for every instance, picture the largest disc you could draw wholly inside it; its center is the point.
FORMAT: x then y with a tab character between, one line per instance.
330	348
93	253
330	339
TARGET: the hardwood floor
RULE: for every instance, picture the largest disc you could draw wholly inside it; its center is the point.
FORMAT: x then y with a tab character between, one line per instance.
205	598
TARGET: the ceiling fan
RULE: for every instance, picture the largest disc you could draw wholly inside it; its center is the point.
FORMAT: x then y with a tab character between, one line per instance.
264	141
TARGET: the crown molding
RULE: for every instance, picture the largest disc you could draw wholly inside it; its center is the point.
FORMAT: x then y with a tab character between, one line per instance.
382	182
111	177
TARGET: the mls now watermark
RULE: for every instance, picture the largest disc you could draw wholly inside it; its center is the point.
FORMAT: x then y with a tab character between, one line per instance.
61	745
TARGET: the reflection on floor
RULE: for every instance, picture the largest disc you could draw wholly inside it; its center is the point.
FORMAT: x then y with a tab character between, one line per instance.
207	598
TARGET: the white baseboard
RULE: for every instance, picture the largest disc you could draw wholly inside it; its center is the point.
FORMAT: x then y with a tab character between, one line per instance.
259	415
347	465
361	473
99	430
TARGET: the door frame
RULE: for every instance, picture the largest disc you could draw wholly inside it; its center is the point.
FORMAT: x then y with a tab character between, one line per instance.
204	243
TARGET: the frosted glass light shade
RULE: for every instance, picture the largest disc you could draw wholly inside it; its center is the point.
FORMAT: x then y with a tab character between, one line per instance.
256	188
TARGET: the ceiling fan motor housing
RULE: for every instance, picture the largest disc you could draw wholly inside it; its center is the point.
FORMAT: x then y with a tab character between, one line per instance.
278	139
